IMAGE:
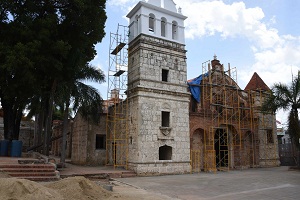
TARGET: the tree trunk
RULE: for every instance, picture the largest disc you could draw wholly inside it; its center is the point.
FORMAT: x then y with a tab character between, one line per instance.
71	140
64	136
35	133
46	113
38	131
49	120
7	119
17	121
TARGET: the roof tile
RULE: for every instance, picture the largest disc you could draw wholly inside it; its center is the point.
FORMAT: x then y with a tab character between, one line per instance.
256	83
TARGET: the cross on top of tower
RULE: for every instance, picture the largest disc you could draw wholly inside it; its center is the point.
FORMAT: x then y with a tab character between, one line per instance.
215	57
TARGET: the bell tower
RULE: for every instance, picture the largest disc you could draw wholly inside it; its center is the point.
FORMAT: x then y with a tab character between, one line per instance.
159	139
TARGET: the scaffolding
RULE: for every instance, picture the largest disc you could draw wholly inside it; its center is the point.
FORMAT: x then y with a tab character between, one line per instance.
223	111
237	133
116	103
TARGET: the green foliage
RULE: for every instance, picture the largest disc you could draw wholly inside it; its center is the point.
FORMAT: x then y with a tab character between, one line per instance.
78	94
43	45
58	114
286	97
293	126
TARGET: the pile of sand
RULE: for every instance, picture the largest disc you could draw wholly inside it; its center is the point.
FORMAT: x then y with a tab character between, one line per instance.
69	188
80	188
13	188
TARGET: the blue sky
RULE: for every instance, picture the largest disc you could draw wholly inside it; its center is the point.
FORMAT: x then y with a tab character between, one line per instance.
260	36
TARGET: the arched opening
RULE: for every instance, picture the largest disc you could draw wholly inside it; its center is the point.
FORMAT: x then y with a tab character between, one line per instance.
151	23
174	30
136	29
165	153
163	27
221	147
197	150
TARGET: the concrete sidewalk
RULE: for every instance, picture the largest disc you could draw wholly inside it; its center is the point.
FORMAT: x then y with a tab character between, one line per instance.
259	183
79	170
100	171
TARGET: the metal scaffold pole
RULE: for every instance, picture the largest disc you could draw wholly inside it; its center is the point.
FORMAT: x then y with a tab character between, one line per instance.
116	103
227	112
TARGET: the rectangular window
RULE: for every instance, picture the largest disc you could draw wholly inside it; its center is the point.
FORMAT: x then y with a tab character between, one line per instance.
193	104
270	136
242	110
165	119
100	141
164	75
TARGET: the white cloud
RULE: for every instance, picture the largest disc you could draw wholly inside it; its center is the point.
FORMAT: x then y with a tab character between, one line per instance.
279	63
206	18
122	3
272	20
276	64
275	55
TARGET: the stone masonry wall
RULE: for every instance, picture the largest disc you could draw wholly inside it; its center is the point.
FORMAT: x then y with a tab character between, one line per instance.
79	141
84	151
249	146
148	97
144	150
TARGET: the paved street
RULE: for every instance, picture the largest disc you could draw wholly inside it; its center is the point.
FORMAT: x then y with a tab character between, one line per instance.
261	183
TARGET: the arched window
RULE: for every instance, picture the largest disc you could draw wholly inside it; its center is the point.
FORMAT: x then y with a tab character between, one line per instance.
174	30
165	153
151	23
163	26
136	25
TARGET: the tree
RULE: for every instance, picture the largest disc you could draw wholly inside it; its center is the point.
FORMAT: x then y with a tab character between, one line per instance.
30	50
286	97
16	80
85	99
55	39
82	27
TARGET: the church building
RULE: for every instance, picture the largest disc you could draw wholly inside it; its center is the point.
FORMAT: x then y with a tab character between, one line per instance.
167	124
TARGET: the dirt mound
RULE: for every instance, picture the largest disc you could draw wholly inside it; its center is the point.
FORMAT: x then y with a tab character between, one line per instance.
19	189
80	188
75	188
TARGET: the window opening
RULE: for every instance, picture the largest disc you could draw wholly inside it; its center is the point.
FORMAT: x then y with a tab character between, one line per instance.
219	104
151	23
270	136
193	104
165	153
174	30
165	119
163	26
242	106
165	74
136	25
100	141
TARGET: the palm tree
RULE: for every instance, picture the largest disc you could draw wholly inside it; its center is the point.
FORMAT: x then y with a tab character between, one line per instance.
286	97
84	99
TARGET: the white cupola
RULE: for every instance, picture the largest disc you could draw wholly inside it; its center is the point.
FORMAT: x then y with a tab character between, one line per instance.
158	18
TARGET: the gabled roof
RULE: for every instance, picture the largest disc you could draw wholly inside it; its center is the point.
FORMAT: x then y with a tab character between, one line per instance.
256	83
